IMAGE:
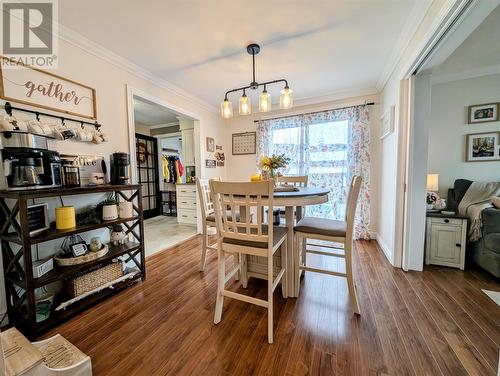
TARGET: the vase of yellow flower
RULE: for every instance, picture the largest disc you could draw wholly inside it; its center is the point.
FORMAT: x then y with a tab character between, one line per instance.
270	165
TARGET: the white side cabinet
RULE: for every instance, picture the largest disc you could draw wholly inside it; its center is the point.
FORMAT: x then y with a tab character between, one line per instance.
446	238
186	204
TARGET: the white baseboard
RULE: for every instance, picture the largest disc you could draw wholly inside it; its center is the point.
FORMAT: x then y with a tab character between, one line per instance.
383	246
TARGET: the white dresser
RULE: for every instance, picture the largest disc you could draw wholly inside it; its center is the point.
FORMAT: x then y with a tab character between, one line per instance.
186	204
446	238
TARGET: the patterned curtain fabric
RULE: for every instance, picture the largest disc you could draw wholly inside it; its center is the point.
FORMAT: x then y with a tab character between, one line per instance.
330	147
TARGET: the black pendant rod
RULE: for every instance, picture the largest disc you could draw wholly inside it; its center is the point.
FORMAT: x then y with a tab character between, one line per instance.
253	49
251	86
9	108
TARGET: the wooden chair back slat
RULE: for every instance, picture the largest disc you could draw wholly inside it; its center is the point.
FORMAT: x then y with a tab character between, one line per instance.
352	200
206	204
250	197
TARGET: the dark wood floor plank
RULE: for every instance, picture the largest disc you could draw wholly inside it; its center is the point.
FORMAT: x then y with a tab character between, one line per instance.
164	326
468	355
395	352
422	360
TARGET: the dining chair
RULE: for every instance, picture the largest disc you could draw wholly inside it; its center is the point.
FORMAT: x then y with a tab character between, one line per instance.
247	238
298	181
207	217
331	231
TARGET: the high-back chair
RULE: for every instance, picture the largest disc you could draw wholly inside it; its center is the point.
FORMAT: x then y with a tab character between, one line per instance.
247	238
207	217
331	231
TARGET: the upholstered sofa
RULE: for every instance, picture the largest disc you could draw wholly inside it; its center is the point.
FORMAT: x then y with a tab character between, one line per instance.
486	251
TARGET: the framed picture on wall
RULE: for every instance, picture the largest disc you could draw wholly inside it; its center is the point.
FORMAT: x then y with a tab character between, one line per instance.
483	113
210	144
387	122
482	147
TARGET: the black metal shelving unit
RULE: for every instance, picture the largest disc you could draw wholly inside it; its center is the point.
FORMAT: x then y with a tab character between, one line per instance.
16	245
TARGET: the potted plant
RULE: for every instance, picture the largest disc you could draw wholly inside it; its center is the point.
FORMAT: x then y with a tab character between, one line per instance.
109	209
271	165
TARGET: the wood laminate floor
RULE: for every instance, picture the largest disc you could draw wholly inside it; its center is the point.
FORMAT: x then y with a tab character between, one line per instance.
433	323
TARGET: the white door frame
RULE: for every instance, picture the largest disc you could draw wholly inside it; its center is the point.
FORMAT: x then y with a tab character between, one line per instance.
408	241
131	92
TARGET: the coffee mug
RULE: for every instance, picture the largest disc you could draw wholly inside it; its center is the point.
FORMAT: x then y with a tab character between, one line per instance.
96	178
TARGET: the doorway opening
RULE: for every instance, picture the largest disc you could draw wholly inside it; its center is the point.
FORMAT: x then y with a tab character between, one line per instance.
165	167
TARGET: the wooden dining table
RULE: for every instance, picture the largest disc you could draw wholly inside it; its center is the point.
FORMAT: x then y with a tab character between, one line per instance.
293	203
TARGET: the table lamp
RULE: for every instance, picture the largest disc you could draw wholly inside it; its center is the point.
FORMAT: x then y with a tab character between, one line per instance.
433	182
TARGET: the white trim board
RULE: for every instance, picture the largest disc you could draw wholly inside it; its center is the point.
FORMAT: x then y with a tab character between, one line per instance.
385	248
465	75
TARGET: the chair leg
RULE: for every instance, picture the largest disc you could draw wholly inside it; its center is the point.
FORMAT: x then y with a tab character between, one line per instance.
237	260
221	275
204	249
350	278
296	262
284	279
270	279
244	266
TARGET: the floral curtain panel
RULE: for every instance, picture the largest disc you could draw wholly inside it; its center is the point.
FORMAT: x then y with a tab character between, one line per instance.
330	147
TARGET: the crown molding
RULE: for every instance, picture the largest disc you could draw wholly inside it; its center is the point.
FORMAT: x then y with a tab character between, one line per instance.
416	16
465	75
103	53
336	96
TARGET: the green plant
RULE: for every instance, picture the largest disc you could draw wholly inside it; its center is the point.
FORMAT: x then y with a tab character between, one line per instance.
111	200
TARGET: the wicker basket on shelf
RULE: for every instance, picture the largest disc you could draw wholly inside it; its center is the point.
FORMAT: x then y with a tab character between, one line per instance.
90	281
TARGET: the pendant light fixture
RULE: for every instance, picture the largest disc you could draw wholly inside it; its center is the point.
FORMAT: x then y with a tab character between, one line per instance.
244	104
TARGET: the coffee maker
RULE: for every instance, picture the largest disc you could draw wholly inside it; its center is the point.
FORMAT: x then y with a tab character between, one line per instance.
27	163
119	168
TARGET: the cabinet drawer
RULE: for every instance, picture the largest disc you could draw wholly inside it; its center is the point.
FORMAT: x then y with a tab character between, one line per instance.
187	216
186	190
186	202
447	221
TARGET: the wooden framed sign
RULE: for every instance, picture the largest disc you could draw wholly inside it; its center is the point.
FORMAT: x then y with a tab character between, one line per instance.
35	87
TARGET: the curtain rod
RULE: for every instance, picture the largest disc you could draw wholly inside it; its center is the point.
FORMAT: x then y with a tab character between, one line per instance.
316	112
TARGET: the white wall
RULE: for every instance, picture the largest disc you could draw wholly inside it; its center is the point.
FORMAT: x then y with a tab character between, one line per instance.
449	126
240	167
110	80
390	154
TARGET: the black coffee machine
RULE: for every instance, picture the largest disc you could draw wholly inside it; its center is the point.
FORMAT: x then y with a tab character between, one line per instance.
120	168
27	162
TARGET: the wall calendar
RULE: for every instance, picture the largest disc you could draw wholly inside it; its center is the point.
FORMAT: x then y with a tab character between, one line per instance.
244	143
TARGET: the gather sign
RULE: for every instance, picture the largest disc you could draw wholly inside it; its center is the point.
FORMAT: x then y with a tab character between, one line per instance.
35	87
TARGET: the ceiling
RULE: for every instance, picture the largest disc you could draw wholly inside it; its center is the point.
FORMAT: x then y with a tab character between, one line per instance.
481	49
321	47
149	113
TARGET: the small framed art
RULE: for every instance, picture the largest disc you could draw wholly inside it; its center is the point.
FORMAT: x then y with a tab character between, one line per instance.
387	122
482	147
483	113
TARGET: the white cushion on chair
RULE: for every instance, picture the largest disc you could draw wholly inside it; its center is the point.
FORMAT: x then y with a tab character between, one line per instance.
321	226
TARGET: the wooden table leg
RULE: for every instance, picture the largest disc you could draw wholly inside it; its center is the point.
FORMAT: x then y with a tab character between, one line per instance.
290	270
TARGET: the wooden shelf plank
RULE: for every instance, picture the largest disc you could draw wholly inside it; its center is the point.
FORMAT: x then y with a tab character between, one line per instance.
54	192
62	272
55	234
56	318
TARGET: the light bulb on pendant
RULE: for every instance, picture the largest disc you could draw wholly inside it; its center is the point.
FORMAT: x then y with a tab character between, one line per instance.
245	105
265	101
226	109
286	98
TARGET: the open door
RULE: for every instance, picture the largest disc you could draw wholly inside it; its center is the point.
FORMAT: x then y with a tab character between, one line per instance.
147	173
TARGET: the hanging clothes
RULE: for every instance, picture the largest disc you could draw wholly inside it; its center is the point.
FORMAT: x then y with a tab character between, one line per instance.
181	167
177	172
165	169
173	169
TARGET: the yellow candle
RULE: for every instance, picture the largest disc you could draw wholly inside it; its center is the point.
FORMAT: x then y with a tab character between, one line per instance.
65	217
256	177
